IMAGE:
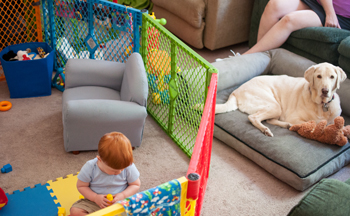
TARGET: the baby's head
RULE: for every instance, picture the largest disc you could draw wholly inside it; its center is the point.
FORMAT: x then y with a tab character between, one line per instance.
115	150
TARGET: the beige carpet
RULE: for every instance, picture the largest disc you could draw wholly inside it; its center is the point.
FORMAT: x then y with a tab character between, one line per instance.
31	141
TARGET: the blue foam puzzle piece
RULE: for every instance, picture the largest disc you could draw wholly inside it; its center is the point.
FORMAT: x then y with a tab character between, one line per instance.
31	201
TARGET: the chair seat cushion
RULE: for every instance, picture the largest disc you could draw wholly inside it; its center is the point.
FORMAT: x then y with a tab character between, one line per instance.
86	121
90	92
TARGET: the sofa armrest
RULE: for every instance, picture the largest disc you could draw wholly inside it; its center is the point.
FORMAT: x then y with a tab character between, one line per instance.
135	86
258	9
89	72
226	22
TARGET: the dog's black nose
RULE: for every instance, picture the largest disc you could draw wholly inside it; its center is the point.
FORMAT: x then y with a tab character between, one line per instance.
325	91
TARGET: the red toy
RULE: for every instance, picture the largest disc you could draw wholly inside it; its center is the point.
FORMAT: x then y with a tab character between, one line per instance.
3	198
25	57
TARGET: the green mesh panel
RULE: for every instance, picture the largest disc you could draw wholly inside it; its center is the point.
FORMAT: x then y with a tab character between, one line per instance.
178	80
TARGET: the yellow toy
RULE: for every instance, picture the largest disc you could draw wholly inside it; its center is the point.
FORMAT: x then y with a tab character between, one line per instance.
159	62
61	211
110	198
156	98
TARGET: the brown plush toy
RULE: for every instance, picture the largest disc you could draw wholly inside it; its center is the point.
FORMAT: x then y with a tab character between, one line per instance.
334	134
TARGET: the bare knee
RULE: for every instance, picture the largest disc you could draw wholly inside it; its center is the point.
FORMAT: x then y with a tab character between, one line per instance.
290	22
77	212
275	8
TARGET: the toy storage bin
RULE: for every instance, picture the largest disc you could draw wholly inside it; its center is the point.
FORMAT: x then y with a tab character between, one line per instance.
31	78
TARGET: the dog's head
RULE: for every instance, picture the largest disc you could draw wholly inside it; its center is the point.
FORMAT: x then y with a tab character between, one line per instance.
324	79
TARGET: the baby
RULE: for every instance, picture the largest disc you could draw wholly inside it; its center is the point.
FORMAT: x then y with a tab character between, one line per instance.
111	172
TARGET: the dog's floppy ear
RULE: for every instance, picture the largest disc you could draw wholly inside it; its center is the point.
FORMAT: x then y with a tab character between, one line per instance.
341	76
309	74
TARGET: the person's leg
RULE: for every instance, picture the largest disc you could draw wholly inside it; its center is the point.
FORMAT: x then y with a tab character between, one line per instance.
78	212
280	32
274	11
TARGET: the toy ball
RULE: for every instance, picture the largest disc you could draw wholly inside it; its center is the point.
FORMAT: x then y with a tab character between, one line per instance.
156	98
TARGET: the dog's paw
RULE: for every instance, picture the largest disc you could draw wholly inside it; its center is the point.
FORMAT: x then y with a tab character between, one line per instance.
199	107
267	132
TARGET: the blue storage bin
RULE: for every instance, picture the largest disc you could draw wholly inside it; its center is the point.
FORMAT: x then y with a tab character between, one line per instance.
31	78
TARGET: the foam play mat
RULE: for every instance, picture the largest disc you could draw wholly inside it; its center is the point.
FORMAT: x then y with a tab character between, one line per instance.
43	199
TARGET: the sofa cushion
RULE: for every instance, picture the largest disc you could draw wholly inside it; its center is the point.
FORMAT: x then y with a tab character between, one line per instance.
298	161
329	197
322	42
344	59
187	33
192	11
344	47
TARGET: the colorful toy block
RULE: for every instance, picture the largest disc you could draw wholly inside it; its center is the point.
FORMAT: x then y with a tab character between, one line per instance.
6	168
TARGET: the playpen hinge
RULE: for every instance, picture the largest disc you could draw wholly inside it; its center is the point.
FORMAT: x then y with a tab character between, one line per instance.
173	88
35	3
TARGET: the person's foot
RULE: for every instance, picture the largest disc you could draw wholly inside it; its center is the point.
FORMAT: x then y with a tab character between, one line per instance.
230	56
235	54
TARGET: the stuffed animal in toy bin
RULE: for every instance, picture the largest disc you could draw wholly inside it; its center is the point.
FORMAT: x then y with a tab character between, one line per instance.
334	134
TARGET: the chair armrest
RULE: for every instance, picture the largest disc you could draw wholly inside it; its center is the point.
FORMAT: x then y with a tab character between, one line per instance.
89	72
135	86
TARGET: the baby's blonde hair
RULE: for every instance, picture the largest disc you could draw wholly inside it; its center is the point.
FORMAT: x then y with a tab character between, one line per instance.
115	150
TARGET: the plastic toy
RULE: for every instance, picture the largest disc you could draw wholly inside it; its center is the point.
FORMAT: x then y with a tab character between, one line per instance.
6	168
5	105
22	55
333	134
61	211
59	79
25	58
41	52
3	198
156	98
156	66
110	198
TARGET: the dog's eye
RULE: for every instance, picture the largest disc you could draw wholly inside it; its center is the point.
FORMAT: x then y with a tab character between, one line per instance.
319	76
332	77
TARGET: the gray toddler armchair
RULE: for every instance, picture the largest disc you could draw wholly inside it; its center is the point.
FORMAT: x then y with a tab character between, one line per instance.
101	97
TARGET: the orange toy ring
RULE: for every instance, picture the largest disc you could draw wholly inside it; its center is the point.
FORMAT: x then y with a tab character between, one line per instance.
5	105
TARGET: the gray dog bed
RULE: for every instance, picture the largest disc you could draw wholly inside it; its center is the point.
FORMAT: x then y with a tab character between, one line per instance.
291	158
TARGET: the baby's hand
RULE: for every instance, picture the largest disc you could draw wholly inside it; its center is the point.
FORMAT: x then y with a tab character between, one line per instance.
118	197
101	200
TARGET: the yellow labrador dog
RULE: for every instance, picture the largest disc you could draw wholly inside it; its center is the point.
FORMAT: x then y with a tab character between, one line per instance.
285	101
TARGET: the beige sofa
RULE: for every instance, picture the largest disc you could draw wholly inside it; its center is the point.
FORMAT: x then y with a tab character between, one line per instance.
206	23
